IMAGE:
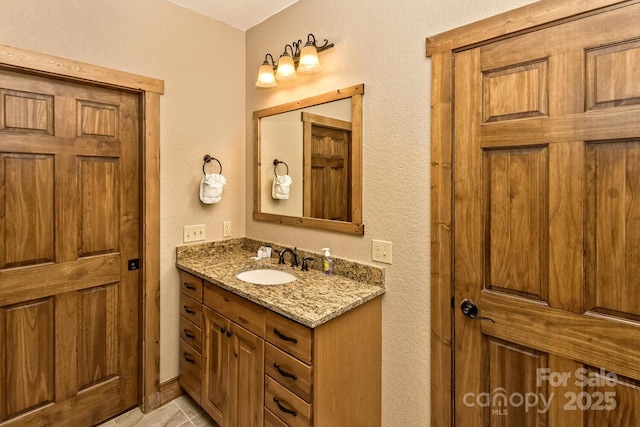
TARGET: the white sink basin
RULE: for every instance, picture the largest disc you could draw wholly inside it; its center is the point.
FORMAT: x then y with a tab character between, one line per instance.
266	277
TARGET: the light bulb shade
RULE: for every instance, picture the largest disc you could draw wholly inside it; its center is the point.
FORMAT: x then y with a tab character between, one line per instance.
286	69
309	62
265	76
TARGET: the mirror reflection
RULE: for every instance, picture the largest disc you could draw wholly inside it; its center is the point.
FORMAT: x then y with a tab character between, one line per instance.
308	162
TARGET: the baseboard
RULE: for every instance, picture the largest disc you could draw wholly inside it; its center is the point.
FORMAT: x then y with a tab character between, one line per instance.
170	390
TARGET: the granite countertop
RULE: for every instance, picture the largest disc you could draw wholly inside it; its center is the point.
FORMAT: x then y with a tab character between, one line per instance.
312	299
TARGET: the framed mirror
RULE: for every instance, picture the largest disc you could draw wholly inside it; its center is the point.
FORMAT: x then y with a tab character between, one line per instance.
308	162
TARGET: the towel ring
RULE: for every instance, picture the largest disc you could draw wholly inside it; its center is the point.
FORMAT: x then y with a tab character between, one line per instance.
276	162
208	159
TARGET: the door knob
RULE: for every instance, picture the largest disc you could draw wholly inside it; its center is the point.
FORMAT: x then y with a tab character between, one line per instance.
470	309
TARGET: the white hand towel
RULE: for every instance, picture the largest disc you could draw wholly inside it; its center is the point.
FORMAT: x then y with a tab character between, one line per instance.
280	187
211	187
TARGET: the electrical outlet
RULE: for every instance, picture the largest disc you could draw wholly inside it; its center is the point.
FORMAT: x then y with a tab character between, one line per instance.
381	251
193	233
226	229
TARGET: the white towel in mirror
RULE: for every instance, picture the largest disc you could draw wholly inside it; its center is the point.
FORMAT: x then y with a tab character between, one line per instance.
211	188
281	186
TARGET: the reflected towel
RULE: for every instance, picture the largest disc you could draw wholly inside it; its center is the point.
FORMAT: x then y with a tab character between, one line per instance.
211	188
280	187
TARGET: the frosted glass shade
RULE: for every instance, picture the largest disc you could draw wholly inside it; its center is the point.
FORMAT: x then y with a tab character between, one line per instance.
266	77
286	69
309	62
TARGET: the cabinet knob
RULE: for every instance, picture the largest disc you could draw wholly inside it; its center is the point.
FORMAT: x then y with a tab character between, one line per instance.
223	329
229	333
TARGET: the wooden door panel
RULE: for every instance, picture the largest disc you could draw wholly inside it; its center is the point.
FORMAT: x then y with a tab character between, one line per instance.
26	112
516	92
29	337
98	205
613	228
98	337
547	224
609	90
97	119
246	378
215	394
516	226
27	206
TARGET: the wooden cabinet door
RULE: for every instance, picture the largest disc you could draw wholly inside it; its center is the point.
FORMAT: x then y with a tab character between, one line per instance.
69	222
246	378
215	371
547	235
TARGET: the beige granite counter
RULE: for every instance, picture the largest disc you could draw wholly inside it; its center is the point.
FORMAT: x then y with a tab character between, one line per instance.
312	299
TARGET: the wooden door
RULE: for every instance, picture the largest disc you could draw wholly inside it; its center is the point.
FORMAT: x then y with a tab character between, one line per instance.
215	371
547	226
327	150
246	378
69	209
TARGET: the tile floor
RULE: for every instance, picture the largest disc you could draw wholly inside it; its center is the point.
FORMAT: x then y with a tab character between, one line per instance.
181	412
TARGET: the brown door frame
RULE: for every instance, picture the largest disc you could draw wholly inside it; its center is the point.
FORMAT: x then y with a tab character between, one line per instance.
150	90
441	49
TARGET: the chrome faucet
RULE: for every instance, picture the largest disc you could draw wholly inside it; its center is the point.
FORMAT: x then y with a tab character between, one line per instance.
294	256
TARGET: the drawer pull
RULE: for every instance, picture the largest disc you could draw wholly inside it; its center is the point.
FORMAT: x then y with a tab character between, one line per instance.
190	287
284	337
283	409
285	373
188	310
188	334
188	358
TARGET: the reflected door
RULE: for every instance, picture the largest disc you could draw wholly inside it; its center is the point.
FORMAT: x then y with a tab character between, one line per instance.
69	194
547	226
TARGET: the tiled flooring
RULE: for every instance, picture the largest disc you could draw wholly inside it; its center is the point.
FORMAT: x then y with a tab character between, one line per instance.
181	412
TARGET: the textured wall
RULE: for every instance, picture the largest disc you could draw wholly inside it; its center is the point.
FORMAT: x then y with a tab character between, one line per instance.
202	110
380	43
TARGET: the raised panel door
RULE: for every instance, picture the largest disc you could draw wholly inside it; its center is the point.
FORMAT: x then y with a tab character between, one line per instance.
69	221
546	241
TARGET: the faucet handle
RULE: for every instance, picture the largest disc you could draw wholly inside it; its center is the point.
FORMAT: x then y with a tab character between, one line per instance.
305	266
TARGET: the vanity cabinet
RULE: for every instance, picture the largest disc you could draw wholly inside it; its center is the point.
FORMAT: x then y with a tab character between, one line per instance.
261	369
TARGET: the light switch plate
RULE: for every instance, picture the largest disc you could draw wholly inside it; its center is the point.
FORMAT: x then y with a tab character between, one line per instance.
193	233
226	229
381	251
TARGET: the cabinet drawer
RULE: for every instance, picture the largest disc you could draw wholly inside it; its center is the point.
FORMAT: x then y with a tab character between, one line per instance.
289	407
292	337
270	420
191	334
191	310
190	370
191	285
239	310
289	371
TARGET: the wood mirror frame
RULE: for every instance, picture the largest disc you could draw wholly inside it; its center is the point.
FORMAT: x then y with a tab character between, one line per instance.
354	226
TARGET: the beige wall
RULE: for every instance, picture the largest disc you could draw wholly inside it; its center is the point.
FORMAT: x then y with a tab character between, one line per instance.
202	110
382	44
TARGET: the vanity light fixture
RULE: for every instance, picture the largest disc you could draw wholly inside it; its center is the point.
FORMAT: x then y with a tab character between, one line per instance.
306	60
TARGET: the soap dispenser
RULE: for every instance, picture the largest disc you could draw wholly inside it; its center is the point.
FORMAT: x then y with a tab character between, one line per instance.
327	263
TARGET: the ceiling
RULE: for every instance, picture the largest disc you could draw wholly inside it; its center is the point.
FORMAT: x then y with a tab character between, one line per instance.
242	14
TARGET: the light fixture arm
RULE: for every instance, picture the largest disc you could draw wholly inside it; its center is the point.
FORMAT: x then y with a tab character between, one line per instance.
295	49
